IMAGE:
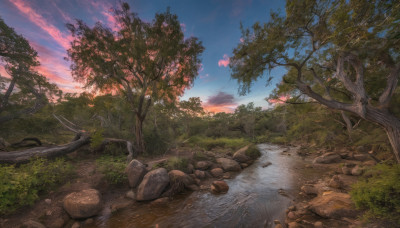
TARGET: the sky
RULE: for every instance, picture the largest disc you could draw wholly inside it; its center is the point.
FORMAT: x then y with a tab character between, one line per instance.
215	22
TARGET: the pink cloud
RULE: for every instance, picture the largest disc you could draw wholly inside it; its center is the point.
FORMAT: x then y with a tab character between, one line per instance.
280	100
24	7
224	62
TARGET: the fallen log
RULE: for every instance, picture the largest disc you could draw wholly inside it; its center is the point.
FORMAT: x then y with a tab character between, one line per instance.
23	156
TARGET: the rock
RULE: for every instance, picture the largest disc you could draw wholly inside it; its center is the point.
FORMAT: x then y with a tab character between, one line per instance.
89	221
361	149
130	194
278	226
32	224
243	165
76	225
160	201
292	208
179	176
153	184
200	174
292	215
203	165
57	219
318	224
294	225
335	182
47	201
227	176
135	171
83	204
357	171
197	180
217	172
346	170
309	189
219	187
327	158
266	164
361	157
240	155
193	187
333	205
229	164
369	163
276	222
190	168
116	206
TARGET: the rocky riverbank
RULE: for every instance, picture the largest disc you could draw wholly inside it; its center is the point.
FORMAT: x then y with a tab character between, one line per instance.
78	204
325	182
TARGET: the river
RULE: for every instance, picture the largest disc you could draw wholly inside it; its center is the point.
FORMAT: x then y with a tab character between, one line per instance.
256	197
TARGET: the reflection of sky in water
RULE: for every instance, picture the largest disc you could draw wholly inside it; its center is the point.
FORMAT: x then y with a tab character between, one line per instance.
252	199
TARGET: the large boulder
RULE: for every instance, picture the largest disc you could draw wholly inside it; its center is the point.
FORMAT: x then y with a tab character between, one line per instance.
333	205
135	171
203	165
219	187
328	158
83	204
200	174
229	164
153	184
181	177
240	155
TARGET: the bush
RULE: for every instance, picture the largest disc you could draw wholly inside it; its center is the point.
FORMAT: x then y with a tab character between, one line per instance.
253	152
379	194
113	167
279	140
175	163
22	185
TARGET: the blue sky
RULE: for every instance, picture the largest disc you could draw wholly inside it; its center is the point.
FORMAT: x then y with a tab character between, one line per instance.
215	22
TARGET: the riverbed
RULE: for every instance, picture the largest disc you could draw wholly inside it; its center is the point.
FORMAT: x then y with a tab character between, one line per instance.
257	196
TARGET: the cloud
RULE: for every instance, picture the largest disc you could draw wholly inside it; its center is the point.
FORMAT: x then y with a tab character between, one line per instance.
280	100
221	102
224	62
23	6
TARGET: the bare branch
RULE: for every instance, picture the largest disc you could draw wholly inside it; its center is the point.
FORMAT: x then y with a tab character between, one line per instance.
391	84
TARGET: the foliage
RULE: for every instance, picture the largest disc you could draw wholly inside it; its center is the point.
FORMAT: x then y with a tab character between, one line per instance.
22	185
113	167
173	163
96	139
146	62
210	143
380	193
253	152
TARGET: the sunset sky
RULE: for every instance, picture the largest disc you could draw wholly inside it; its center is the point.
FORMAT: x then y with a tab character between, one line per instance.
215	22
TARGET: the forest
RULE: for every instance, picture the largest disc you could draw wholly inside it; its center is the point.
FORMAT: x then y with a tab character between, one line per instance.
340	95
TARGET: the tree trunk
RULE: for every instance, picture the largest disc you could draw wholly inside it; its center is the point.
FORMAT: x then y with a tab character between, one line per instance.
23	156
390	123
139	135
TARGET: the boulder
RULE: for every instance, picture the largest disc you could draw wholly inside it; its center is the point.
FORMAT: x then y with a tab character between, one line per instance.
217	172
333	205
219	187
244	165
357	171
294	225
130	194
369	163
83	204
153	185
32	224
179	176
335	182
200	174
203	165
190	168
229	164
266	164
135	171
240	155
328	158
318	224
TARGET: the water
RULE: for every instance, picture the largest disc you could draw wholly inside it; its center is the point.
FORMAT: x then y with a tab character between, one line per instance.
253	200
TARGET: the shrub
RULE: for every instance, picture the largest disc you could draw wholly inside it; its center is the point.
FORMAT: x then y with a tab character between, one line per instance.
22	185
210	143
279	140
174	163
113	167
379	194
253	152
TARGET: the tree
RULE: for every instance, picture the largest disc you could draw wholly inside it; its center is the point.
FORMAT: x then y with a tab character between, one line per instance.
342	54
25	86
146	62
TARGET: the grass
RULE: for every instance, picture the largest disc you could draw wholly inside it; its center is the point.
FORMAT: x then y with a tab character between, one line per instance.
210	143
174	163
113	167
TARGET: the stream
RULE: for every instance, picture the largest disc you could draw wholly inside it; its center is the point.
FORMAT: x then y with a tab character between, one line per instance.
254	199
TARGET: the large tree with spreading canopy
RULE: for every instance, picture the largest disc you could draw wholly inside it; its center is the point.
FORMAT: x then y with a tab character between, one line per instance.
147	62
342	54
